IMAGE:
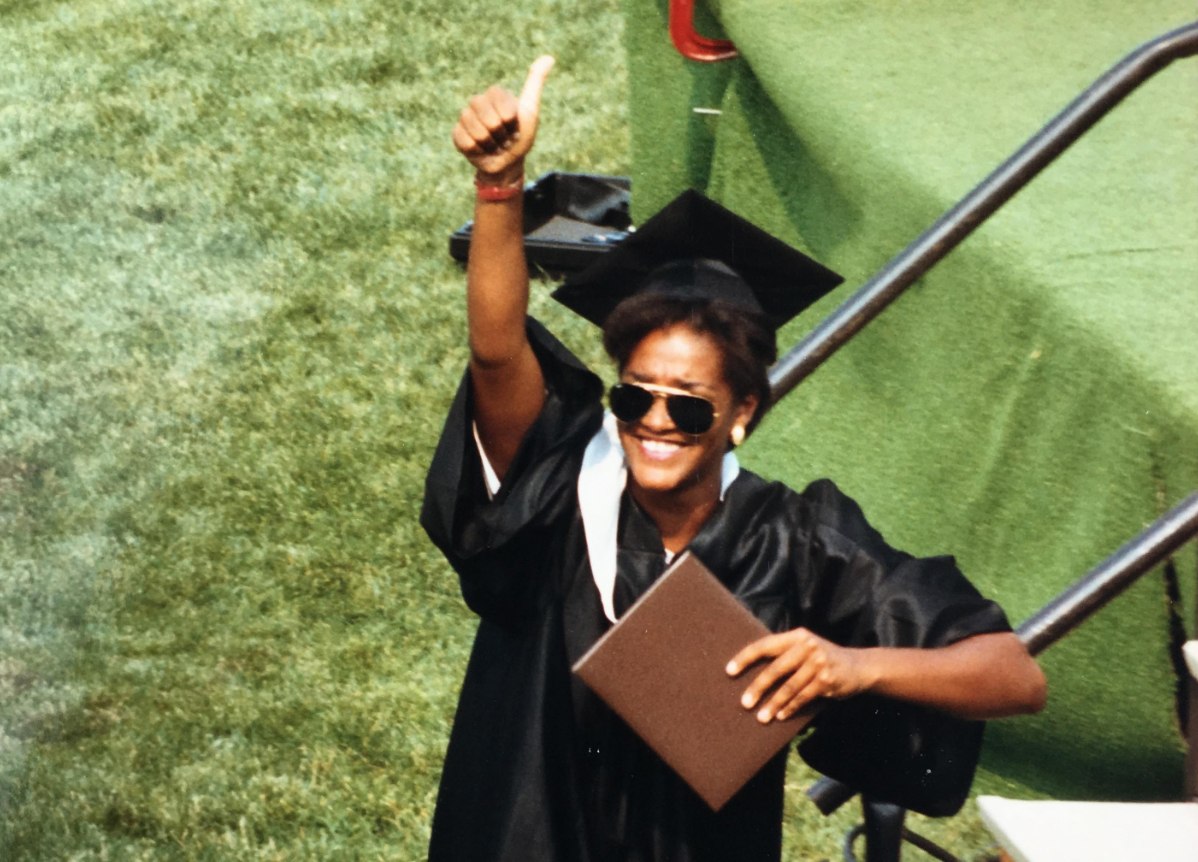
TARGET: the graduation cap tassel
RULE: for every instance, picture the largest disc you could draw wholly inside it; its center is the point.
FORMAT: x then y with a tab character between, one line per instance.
960	221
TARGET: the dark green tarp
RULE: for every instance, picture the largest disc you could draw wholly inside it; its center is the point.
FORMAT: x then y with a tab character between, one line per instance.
1033	402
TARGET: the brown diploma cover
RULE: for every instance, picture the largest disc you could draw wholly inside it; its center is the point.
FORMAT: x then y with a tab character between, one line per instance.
661	668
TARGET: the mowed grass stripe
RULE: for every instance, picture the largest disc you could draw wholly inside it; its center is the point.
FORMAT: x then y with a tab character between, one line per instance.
230	330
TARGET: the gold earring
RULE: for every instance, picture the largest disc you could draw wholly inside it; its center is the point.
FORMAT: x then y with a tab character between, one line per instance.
738	434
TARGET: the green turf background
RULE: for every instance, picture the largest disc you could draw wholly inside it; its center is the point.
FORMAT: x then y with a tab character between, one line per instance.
229	331
1031	403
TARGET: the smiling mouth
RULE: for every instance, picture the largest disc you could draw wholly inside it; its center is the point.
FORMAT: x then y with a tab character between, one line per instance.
658	449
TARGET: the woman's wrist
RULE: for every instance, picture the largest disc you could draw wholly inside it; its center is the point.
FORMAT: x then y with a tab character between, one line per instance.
502	185
871	665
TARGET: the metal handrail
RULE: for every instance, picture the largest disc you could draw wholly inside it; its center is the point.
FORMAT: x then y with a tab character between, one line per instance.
1111	577
1171	530
960	221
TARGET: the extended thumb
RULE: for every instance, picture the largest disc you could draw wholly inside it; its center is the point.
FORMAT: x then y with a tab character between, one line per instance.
530	96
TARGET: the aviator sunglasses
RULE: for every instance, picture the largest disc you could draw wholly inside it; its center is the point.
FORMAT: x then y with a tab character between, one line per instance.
690	413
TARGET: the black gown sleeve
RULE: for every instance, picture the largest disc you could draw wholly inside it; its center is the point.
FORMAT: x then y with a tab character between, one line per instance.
497	546
864	593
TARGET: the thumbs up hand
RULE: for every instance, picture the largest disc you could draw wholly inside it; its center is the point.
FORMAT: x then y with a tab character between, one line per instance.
496	130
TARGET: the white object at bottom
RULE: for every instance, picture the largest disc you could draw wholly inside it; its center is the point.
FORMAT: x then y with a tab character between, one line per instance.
1052	831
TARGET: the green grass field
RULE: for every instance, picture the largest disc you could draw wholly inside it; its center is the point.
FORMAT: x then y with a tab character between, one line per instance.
229	328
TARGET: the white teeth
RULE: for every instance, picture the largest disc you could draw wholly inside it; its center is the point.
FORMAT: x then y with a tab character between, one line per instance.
659	447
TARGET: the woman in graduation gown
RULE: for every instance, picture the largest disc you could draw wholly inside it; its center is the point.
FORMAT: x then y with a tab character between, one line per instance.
557	516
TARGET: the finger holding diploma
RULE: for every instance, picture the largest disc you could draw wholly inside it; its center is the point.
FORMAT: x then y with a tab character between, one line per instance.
979	677
804	667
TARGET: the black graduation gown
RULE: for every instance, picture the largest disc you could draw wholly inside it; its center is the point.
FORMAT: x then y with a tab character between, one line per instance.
539	769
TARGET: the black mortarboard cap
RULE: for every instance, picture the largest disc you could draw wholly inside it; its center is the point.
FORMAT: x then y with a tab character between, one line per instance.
695	247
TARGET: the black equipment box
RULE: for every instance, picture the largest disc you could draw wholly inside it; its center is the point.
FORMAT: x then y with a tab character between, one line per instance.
569	221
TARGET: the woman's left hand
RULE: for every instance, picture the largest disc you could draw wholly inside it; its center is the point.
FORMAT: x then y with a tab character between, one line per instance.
807	666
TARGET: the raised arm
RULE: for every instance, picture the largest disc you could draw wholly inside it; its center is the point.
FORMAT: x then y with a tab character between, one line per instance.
495	132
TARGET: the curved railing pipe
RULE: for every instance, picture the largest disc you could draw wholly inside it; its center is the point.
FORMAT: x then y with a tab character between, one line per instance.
689	42
956	224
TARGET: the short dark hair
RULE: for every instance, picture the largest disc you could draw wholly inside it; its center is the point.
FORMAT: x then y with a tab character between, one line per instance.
746	340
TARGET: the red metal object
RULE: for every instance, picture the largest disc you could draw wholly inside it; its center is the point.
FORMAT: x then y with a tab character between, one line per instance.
691	44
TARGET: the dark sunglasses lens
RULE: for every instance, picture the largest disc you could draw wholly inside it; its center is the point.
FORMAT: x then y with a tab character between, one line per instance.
629	403
692	415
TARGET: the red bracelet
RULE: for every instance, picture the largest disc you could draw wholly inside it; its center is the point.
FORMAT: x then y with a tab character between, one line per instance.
494	194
